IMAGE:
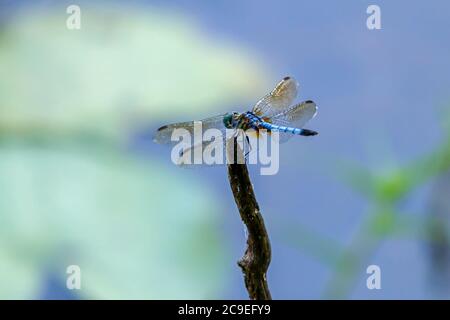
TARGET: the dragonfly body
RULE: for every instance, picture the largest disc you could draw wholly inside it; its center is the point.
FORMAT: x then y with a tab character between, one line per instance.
274	112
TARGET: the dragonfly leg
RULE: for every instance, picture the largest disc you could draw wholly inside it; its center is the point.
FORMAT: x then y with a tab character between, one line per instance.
249	149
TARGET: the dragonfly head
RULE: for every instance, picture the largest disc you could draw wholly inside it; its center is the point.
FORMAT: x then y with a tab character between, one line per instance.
231	120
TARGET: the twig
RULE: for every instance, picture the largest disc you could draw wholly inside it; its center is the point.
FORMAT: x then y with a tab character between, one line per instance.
256	260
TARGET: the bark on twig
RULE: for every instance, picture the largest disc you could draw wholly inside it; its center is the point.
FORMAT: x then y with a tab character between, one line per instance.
256	260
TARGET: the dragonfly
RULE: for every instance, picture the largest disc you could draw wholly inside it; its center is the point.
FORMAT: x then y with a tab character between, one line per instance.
274	112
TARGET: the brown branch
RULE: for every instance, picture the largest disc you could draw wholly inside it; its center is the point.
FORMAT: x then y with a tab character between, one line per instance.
256	260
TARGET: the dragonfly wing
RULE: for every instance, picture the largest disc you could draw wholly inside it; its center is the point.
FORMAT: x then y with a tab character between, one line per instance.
221	149
279	99
296	116
164	134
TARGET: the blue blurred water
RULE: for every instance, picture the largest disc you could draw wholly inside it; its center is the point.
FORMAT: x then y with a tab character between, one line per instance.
376	90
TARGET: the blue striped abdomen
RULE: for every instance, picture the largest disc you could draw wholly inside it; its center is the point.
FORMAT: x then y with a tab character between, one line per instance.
292	130
274	127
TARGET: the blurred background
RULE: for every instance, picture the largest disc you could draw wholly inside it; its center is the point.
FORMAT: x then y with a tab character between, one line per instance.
82	183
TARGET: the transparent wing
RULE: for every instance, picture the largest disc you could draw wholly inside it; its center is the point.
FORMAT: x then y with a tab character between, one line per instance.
296	116
164	134
216	152
279	99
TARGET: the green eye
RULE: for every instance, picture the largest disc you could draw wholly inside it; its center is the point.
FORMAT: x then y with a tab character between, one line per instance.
228	121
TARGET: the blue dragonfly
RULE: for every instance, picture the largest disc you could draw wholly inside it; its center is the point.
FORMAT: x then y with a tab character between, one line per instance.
274	112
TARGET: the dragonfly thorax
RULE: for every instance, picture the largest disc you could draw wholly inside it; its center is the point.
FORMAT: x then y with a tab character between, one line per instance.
249	120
